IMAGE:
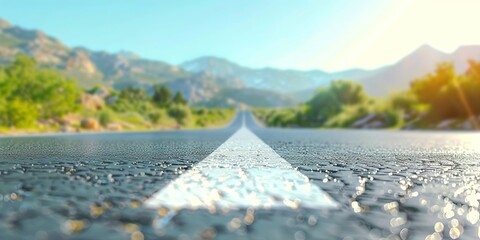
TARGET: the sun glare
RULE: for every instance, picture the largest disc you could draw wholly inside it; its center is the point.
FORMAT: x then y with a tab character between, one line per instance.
405	25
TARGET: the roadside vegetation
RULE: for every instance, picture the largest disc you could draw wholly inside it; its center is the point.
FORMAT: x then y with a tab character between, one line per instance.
38	99
442	99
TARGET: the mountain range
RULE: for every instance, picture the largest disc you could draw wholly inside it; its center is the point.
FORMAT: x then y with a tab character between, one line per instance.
213	81
377	82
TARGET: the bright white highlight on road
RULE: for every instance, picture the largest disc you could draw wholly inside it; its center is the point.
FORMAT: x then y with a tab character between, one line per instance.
243	172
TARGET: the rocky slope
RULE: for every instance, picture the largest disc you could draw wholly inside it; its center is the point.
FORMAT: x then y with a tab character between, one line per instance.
89	67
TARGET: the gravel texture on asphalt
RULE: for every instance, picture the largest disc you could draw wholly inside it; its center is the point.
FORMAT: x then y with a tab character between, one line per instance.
390	184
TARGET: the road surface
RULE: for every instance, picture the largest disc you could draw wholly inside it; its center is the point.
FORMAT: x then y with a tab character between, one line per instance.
382	184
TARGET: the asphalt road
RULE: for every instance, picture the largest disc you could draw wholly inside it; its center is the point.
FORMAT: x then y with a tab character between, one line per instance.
389	184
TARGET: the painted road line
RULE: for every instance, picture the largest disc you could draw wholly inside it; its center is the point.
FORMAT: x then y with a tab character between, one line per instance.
243	172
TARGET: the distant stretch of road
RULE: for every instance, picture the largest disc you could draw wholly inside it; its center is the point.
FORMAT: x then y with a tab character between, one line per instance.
243	181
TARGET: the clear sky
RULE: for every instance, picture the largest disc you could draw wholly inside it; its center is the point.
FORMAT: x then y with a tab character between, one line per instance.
295	34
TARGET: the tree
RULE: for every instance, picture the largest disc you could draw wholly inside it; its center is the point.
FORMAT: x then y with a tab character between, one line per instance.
18	113
473	70
323	105
133	99
60	97
34	92
404	101
178	99
329	101
428	88
133	94
472	90
180	113
4	91
20	80
105	117
447	94
348	92
161	96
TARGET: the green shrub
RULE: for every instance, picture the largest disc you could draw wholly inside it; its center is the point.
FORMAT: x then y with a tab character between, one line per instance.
162	96
157	115
105	117
447	94
133	117
348	92
180	113
23	83
405	101
349	115
18	113
394	118
212	117
133	99
323	106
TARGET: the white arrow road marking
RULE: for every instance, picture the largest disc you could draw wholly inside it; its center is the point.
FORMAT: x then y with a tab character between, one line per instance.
243	172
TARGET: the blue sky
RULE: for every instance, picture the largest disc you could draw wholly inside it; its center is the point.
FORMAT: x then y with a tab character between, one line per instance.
320	34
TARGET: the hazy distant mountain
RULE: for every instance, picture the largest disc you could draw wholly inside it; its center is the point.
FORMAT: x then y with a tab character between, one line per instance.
282	81
399	75
202	86
417	64
462	54
229	97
